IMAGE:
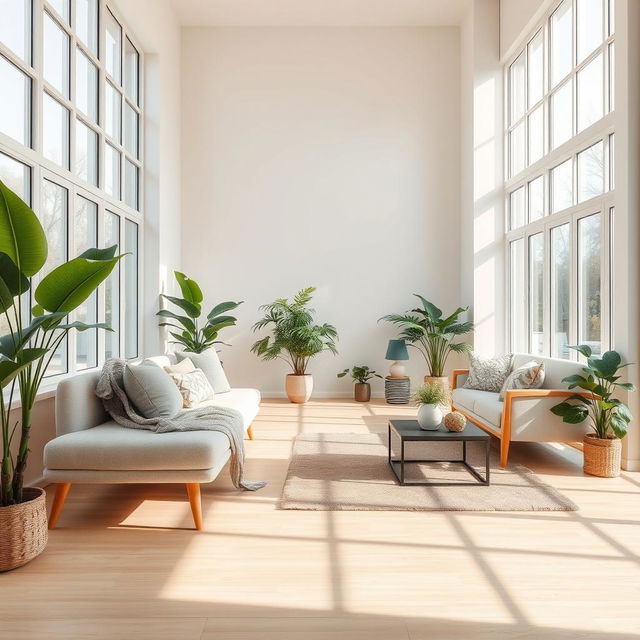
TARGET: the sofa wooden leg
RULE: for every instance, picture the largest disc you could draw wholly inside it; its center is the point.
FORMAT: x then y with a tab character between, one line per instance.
504	452
193	491
250	432
62	490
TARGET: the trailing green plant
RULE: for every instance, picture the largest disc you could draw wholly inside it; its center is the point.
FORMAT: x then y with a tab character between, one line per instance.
606	413
34	334
360	374
193	335
433	336
430	393
295	338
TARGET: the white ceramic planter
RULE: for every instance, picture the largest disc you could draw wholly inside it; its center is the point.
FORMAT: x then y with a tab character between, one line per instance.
429	417
299	388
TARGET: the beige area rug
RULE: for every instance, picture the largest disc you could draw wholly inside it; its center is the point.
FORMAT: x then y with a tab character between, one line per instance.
350	472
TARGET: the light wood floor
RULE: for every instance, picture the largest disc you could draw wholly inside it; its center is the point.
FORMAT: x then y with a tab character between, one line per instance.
124	562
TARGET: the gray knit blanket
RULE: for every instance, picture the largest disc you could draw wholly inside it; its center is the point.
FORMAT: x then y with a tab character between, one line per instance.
110	389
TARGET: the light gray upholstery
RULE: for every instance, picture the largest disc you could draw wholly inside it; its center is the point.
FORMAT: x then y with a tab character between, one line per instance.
151	391
484	404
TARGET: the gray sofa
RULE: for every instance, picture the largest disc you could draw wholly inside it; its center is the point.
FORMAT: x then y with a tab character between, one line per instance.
92	448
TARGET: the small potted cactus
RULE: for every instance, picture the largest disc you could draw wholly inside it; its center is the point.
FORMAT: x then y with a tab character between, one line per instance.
361	376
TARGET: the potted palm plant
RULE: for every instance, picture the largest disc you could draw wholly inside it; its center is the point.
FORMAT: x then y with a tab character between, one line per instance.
194	336
26	350
430	397
608	416
295	339
433	336
361	376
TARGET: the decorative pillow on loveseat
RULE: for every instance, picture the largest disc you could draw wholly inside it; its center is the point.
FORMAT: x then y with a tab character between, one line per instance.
193	387
210	364
528	376
151	391
488	374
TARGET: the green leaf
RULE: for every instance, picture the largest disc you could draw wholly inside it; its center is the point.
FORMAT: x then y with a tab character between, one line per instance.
432	311
190	289
15	281
11	343
619	426
70	284
187	323
570	413
222	308
100	254
9	370
573	379
82	326
22	237
584	349
622	411
192	310
627	386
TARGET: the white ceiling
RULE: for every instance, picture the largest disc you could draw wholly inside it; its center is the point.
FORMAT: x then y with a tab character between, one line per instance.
320	12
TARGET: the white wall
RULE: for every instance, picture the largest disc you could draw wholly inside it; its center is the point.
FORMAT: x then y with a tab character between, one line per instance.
326	157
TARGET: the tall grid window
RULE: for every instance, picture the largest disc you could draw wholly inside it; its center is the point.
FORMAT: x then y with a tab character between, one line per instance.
70	144
559	183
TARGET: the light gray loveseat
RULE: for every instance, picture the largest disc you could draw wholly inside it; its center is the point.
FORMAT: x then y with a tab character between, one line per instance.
524	415
92	448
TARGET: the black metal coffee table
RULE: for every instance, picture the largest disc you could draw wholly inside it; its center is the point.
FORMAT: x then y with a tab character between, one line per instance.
410	431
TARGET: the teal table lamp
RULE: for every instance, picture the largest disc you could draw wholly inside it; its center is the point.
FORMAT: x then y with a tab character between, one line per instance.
397	351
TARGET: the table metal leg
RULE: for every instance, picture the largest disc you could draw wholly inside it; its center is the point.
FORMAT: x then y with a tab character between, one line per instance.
401	461
464	450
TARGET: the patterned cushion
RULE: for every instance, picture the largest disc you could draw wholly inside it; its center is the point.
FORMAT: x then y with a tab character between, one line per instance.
184	366
488	374
193	387
528	376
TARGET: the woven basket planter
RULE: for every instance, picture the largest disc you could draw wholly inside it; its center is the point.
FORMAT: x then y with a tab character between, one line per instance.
24	530
602	457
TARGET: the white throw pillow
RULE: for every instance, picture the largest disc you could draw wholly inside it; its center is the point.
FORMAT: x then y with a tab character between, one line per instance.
193	387
210	364
488	374
528	376
184	366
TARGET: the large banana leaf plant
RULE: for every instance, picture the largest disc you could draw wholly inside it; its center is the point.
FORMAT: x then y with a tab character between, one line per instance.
34	334
193	335
601	381
433	336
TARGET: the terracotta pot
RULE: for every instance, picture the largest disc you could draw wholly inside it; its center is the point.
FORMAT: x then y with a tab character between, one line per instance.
24	529
362	392
602	458
299	388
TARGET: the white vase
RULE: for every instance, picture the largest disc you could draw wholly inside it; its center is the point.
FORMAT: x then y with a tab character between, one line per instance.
429	417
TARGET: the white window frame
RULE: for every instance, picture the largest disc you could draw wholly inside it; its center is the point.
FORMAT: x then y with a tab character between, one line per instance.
602	130
41	168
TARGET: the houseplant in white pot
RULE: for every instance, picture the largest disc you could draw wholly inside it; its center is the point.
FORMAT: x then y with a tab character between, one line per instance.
608	416
31	338
361	376
430	397
433	336
295	339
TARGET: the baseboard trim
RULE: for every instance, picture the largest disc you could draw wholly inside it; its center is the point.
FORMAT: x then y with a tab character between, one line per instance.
631	465
322	395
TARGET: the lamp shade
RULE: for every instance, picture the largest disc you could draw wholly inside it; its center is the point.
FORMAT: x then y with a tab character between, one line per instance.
397	350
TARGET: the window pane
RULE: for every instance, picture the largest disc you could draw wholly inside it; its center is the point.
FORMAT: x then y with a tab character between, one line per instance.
612	16
87	24
589	29
130	289
113	111
85	232
591	172
535	66
56	55
589	283
113	36
111	171
55	131
62	7
16	176
536	199
536	135
86	153
517	84
561	114
15	114
562	187
53	215
112	289
590	93
131	62
536	294
561	43
131	184
612	77
612	157
130	130
516	149
560	291
516	209
86	86
517	296
15	27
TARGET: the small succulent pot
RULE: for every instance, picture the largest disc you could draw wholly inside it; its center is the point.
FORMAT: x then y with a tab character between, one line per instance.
299	388
429	417
602	457
362	392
